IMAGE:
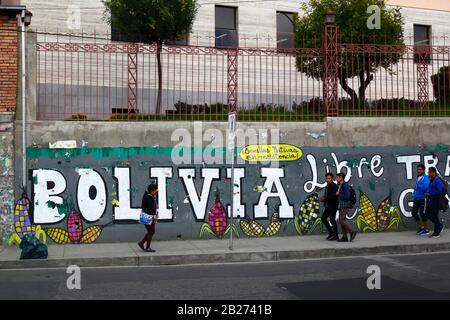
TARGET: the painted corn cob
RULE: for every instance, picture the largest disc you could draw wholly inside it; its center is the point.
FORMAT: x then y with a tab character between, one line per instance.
217	221
367	212
22	222
384	214
252	228
75	226
307	219
274	227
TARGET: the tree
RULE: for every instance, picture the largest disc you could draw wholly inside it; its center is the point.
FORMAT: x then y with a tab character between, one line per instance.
351	20
152	22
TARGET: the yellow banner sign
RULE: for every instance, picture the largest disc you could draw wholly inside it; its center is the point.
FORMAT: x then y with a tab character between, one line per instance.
271	152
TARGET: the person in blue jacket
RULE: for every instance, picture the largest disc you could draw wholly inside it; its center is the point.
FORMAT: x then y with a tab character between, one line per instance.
433	200
344	206
420	188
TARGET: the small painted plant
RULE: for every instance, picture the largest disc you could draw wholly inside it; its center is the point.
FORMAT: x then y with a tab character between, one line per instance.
369	219
217	220
22	222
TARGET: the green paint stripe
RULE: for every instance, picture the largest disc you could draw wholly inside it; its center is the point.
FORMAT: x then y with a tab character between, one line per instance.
120	152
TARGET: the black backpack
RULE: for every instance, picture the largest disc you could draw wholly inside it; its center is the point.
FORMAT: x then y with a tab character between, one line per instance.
444	201
352	195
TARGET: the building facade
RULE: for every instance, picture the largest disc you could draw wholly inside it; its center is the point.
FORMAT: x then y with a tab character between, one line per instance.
246	23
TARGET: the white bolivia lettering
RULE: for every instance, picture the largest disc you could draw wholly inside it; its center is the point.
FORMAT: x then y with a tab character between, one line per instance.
273	176
123	210
198	204
238	207
164	213
45	192
92	206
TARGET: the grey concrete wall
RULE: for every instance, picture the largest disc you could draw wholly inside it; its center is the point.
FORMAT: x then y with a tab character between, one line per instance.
370	151
6	174
333	132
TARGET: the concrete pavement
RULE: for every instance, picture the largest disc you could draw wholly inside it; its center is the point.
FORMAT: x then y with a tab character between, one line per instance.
216	251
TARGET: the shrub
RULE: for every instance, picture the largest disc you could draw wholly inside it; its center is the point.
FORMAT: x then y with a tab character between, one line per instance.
441	84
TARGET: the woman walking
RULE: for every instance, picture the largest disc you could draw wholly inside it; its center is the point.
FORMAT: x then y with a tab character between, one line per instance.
149	207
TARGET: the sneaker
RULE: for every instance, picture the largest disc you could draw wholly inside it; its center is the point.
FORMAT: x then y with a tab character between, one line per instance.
141	245
424	232
150	250
435	235
442	229
343	240
419	231
352	236
334	238
329	237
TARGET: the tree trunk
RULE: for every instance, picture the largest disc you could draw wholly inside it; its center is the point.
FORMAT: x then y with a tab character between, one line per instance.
158	60
359	97
352	93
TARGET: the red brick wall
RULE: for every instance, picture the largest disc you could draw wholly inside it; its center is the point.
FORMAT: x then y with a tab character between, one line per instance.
8	62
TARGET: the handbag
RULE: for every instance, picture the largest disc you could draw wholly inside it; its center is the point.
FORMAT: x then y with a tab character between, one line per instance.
145	218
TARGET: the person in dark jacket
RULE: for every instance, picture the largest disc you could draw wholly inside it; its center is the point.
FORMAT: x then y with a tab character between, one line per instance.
149	206
344	206
433	201
331	203
420	188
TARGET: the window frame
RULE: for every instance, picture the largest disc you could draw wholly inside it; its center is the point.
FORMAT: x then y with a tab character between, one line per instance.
292	34
421	47
234	32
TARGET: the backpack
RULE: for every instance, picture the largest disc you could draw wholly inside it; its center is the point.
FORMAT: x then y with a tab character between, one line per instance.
444	201
352	195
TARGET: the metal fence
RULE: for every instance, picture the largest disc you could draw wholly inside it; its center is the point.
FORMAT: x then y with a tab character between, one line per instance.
100	80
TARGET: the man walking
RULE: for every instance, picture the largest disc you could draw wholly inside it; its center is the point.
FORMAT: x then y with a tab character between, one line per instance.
343	194
433	202
149	207
421	187
331	203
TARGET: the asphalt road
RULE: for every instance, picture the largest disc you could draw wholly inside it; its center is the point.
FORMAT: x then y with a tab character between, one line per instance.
420	276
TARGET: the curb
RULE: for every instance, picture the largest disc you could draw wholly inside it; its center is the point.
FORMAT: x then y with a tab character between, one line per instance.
230	257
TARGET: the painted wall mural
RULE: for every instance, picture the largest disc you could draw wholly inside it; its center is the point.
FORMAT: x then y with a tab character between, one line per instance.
85	194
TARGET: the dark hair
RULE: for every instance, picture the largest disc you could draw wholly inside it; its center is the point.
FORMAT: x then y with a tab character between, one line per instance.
432	169
421	166
341	175
152	187
329	174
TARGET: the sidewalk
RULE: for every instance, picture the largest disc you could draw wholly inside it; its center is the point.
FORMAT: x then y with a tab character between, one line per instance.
216	251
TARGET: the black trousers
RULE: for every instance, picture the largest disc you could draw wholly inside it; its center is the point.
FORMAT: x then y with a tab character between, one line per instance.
331	225
149	235
419	209
432	212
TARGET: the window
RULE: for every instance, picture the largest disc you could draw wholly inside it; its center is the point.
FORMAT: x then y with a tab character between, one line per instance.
226	27
285	30
422	41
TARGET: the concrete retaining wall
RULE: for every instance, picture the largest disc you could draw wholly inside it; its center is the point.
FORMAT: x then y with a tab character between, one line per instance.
93	193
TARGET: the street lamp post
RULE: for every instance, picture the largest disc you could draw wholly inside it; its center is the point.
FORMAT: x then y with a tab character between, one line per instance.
25	21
